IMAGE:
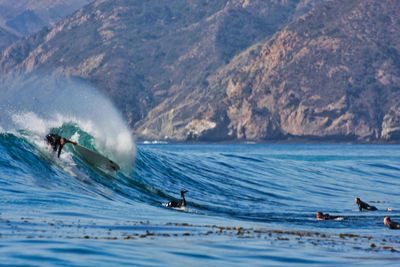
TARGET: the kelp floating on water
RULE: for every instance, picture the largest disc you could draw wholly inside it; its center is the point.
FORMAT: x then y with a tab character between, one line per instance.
137	230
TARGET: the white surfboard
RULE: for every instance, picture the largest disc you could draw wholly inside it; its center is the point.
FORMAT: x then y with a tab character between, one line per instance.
96	159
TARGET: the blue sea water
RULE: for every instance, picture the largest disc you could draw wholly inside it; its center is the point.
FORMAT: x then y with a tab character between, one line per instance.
247	204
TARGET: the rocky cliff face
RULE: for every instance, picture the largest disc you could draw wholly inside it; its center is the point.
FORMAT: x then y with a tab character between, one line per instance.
334	74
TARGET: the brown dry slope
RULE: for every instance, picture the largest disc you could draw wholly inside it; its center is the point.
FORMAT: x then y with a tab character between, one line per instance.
145	53
333	75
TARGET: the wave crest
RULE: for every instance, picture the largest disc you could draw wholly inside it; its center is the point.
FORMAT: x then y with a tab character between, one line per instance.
41	103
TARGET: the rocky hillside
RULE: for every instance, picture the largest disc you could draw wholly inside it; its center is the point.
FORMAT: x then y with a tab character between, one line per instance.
24	17
6	38
142	53
239	70
332	75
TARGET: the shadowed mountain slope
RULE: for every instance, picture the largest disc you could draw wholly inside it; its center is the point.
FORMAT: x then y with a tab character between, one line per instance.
24	17
142	53
333	75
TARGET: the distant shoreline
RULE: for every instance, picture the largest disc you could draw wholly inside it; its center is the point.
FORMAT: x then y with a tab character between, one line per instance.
297	141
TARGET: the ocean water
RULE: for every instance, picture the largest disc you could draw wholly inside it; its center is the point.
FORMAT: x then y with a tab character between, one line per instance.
247	204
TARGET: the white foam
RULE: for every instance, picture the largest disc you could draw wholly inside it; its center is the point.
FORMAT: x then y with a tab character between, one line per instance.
31	122
38	103
75	137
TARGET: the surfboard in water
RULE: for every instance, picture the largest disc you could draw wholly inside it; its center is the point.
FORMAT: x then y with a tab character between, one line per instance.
96	159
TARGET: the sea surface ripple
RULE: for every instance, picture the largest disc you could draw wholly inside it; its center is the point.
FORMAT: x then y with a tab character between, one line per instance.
247	205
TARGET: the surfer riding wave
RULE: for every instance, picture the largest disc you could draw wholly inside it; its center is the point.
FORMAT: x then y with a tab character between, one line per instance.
57	141
94	158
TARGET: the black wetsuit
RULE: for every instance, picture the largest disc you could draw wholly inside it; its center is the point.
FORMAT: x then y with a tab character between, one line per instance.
55	141
393	225
180	204
365	206
326	216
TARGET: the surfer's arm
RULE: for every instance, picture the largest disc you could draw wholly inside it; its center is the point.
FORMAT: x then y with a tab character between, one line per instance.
72	142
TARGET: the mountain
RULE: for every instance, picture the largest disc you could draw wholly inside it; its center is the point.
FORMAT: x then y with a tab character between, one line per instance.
239	70
332	75
24	17
6	38
141	53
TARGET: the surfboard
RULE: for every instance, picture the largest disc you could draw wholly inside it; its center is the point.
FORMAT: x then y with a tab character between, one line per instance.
96	159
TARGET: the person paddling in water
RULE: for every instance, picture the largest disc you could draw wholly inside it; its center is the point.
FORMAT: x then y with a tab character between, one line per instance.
364	206
390	224
326	216
57	141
